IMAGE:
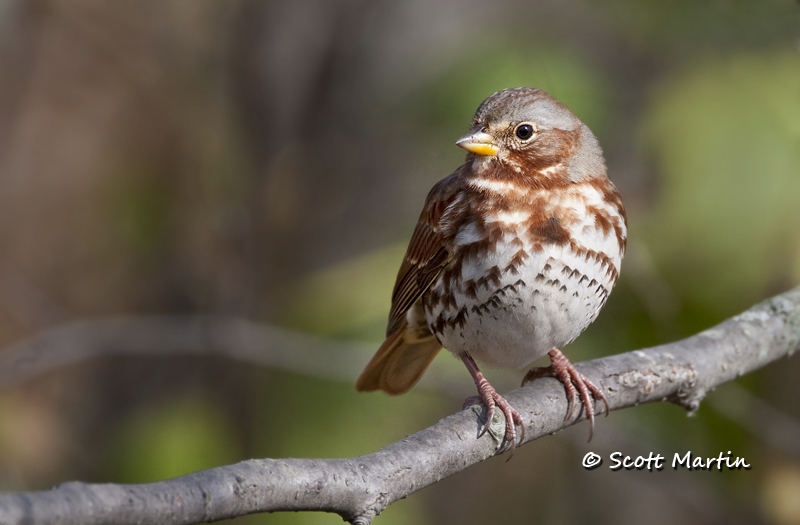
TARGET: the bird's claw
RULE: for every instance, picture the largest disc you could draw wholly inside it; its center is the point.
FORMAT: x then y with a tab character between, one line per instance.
489	397
574	383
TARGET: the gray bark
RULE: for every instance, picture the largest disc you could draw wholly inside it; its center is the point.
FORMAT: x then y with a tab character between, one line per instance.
360	488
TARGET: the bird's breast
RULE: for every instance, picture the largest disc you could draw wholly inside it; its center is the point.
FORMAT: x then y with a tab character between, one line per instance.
526	278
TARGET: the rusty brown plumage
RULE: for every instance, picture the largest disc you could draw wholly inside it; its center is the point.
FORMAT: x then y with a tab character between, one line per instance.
513	256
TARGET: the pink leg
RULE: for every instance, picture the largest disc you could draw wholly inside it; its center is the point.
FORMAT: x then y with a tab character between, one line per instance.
489	396
562	369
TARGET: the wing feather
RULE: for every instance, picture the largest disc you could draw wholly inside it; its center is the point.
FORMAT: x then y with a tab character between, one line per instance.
430	249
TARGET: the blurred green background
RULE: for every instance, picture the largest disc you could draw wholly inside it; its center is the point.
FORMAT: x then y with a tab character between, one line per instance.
268	160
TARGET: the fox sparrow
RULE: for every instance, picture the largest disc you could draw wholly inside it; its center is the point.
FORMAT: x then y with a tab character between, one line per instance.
513	256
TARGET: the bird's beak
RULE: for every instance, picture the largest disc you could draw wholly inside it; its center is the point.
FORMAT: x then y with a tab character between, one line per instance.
478	142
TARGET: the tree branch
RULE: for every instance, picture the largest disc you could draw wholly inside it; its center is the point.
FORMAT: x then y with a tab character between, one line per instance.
360	488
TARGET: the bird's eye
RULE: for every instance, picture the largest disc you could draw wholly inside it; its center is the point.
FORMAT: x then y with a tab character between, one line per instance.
525	131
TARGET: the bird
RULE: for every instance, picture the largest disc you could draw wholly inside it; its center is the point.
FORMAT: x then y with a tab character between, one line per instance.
513	256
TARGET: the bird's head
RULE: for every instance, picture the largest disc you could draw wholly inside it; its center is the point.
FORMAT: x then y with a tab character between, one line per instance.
533	134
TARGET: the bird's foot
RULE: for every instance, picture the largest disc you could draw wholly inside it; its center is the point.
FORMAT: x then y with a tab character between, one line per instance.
574	382
489	397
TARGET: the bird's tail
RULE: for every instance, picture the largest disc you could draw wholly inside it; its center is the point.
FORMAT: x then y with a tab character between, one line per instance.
399	362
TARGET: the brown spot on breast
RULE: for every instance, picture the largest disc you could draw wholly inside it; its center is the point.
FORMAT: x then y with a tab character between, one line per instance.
551	231
518	259
492	277
612	197
460	318
598	257
602	221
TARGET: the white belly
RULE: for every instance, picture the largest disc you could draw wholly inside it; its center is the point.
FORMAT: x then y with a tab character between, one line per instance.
521	311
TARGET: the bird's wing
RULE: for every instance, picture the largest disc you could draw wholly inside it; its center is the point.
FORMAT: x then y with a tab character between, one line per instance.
430	249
